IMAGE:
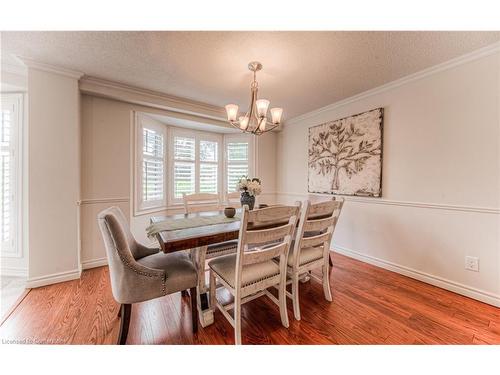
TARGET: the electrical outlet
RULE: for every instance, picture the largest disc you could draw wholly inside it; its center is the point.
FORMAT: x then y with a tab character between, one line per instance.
472	263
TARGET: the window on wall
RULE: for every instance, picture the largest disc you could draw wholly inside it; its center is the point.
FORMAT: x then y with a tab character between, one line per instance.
209	166
195	163
10	168
184	166
237	160
171	161
152	162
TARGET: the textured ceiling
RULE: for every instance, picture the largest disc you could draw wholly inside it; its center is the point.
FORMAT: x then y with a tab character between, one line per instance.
302	70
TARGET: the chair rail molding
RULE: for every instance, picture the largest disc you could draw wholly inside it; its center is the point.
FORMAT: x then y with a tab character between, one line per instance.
474	55
102	200
388	202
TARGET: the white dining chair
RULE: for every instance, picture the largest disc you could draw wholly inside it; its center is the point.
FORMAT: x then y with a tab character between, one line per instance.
311	248
233	199
249	273
199	202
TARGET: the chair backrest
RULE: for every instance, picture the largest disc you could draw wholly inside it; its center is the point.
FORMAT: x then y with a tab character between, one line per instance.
200	202
270	230
131	282
233	199
120	245
116	231
316	226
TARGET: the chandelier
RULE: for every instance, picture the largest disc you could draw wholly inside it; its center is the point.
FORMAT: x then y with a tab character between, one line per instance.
255	120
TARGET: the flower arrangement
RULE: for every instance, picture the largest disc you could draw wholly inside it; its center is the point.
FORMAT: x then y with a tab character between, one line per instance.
251	186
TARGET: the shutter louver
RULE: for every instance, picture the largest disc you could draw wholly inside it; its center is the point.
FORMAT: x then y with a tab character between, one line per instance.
184	179
237	151
184	170
208	167
237	163
152	166
208	178
184	148
8	121
6	197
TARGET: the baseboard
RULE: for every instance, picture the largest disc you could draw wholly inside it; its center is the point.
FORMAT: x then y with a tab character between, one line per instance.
93	263
14	271
477	294
54	278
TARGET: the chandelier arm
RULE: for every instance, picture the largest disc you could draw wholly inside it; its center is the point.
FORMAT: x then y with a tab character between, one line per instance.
273	126
235	125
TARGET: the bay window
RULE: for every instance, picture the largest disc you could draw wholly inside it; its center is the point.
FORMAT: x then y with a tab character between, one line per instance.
171	161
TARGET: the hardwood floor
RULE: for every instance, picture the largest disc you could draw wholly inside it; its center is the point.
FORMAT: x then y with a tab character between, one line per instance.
370	306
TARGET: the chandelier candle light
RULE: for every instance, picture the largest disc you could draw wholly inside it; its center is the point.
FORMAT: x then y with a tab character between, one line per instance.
255	120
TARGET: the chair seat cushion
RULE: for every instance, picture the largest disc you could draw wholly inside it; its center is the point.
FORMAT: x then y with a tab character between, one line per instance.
223	248
225	267
307	255
180	271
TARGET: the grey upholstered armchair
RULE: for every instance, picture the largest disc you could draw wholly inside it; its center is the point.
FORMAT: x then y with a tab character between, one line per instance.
139	273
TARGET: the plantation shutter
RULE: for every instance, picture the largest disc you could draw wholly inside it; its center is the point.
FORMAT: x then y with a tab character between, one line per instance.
184	166
237	163
9	125
5	176
208	167
153	165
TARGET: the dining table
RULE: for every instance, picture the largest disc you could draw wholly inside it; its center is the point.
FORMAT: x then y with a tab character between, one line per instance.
195	232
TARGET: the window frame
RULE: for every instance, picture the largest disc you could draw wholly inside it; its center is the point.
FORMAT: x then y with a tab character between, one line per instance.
230	138
141	206
198	136
15	248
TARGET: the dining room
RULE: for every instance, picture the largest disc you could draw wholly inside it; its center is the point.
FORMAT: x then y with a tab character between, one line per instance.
232	188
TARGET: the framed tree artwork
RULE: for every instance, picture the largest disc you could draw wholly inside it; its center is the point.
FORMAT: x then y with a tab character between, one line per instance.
345	156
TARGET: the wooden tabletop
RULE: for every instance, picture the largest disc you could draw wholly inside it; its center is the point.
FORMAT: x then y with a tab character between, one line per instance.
190	238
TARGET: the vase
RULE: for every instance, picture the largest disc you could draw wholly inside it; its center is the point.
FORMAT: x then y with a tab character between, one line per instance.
247	199
229	212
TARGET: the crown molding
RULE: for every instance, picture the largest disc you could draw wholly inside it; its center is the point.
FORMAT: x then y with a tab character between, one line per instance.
477	54
19	70
32	64
130	94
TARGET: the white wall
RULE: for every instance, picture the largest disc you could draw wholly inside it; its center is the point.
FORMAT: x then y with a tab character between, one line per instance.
441	177
54	177
107	149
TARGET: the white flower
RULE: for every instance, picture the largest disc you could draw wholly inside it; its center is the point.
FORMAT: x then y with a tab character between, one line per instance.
251	186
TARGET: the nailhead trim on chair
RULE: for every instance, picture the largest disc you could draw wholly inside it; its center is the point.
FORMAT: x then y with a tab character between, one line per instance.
134	269
245	285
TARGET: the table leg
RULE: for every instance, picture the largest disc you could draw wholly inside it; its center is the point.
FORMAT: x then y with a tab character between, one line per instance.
205	312
204	301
